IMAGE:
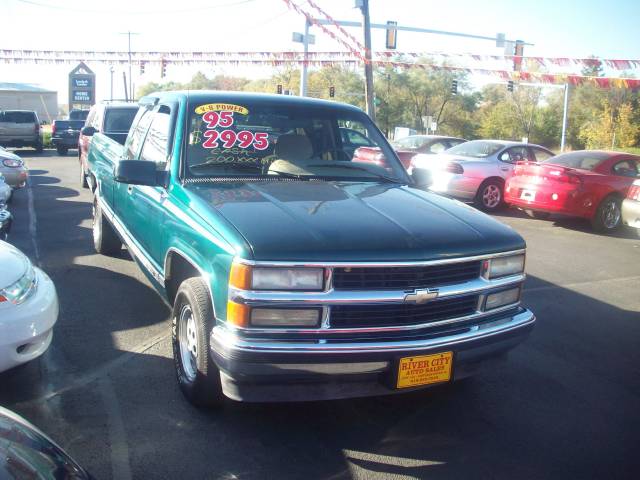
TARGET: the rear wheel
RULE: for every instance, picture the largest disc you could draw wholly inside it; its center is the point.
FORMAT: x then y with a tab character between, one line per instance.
198	376
39	147
608	216
62	150
105	239
83	178
490	196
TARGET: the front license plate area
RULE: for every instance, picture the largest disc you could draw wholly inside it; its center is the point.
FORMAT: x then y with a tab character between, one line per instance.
528	195
424	370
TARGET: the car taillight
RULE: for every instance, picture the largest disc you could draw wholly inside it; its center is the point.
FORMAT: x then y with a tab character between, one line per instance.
563	176
453	167
634	192
53	129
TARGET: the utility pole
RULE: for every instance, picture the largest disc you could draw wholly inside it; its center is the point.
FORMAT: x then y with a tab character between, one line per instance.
128	34
306	39
111	82
564	117
124	80
368	67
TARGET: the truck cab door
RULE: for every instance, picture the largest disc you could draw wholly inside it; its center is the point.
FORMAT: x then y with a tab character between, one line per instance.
140	207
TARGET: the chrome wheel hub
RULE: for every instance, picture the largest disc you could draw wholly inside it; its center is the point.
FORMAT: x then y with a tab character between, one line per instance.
611	214
491	196
188	340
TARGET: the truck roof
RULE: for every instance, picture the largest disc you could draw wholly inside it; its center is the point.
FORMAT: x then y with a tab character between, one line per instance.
195	96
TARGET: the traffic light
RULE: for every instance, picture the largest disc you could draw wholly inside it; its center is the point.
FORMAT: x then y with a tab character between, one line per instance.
332	92
163	68
454	87
510	86
392	35
279	89
142	65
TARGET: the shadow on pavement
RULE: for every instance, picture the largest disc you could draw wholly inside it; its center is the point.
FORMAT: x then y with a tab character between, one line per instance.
563	405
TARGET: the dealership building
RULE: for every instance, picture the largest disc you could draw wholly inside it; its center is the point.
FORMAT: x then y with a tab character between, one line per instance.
24	96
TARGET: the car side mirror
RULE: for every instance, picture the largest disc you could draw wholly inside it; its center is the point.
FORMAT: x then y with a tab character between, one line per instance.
140	172
422	178
88	131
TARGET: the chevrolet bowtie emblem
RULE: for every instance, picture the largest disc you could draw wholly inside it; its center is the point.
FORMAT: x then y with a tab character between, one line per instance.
421	296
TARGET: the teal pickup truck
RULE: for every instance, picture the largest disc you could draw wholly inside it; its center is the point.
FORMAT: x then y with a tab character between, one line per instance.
296	270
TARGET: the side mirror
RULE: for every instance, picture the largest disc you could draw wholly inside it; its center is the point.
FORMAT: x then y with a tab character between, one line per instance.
422	178
140	172
88	131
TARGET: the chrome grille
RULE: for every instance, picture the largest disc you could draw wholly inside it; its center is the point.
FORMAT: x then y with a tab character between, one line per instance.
404	278
399	314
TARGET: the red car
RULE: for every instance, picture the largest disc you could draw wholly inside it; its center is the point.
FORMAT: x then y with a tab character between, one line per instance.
587	183
406	148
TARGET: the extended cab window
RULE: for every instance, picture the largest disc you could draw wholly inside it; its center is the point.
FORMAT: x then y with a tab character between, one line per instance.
155	148
285	141
18	117
138	132
118	120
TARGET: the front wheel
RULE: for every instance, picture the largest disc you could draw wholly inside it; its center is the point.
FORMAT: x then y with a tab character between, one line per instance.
490	195
62	150
608	216
105	239
83	178
198	376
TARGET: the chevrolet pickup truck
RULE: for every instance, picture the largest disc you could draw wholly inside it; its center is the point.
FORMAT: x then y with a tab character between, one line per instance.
294	271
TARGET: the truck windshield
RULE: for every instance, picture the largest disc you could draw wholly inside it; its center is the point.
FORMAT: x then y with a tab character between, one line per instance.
230	140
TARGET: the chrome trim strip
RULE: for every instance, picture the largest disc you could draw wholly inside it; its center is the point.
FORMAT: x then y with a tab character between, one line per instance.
329	368
419	263
232	343
338	297
307	332
131	244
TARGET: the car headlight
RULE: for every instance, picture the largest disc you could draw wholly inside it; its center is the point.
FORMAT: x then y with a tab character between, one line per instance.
21	290
502	298
11	162
504	266
247	277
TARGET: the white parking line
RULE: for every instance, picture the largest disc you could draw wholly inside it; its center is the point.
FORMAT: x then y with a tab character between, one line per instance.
33	223
120	465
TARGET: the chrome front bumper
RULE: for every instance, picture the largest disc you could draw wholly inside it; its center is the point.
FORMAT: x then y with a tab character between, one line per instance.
269	370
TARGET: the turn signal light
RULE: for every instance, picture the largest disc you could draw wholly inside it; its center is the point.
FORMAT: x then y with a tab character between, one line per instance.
238	314
634	192
240	276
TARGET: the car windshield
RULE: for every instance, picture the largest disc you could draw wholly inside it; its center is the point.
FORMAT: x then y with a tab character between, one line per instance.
476	149
301	141
413	142
583	160
119	120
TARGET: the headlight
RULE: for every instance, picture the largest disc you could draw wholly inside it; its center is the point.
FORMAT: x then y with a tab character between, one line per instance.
247	277
504	266
500	299
20	290
10	162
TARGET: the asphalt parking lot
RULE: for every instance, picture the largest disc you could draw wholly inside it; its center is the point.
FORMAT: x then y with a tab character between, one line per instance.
563	405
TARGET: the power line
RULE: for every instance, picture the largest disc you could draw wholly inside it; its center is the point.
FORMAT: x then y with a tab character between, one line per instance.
133	12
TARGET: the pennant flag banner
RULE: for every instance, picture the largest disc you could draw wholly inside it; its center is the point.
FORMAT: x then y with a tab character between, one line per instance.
318	59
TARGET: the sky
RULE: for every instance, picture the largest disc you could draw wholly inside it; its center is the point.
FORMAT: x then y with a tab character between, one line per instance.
557	28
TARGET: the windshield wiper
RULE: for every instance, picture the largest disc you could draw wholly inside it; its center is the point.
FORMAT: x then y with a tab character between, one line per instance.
290	175
359	168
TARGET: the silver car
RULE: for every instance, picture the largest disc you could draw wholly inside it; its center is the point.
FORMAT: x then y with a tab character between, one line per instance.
5	192
476	170
13	168
631	206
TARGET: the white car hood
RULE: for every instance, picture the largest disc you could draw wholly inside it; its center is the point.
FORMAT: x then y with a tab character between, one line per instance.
7	154
13	264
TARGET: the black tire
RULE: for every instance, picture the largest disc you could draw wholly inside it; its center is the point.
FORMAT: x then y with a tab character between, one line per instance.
608	217
105	239
490	196
198	376
39	147
537	214
62	150
83	178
